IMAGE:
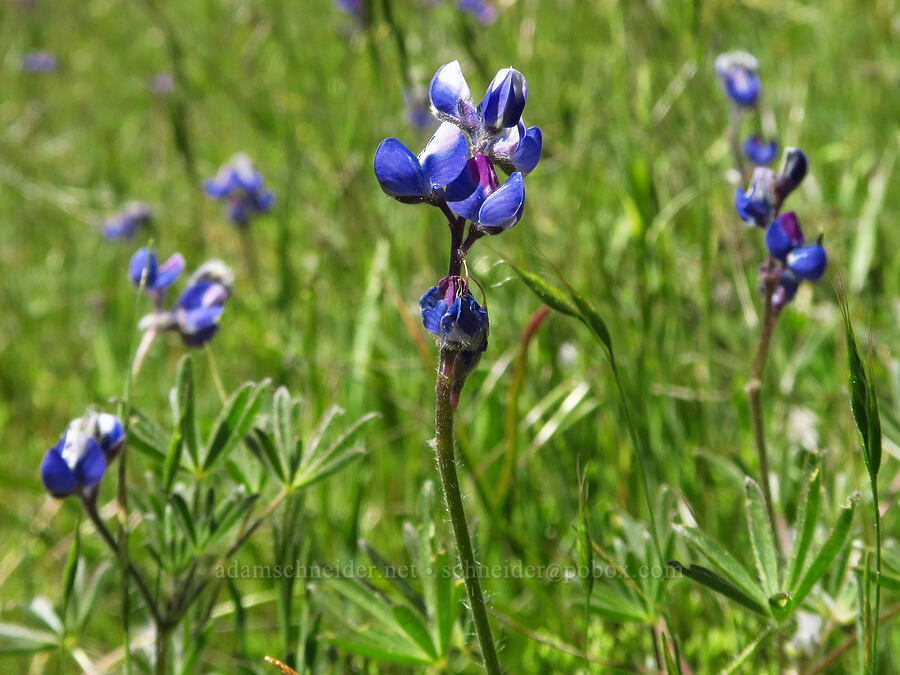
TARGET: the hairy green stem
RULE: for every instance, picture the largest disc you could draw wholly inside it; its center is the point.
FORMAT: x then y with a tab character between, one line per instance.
754	393
874	656
446	463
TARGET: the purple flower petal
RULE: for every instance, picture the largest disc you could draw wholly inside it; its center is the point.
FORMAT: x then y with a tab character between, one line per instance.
476	181
143	260
528	154
504	99
808	262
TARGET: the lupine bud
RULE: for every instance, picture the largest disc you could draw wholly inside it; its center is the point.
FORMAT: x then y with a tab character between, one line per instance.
451	100
785	291
757	205
758	151
450	311
793	170
737	70
517	149
784	235
808	262
505	99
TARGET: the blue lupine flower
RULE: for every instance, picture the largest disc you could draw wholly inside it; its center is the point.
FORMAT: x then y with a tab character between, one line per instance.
483	11
758	151
808	262
39	62
738	72
794	166
783	235
757	205
198	310
504	100
517	149
125	223
77	463
785	291
354	8
476	194
450	311
412	179
158	277
241	184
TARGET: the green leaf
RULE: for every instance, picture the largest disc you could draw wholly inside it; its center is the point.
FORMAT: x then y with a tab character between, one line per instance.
390	573
863	404
591	318
145	436
234	421
761	537
16	639
184	517
71	568
807	515
739	661
549	295
283	424
413	626
379	646
173	456
445	610
319	473
260	443
186	422
616	607
725	564
828	552
713	581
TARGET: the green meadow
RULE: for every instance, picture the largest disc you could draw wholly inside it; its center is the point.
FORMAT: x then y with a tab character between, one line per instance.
631	211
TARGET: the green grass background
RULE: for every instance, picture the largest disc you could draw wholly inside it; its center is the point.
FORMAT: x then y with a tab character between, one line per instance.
620	90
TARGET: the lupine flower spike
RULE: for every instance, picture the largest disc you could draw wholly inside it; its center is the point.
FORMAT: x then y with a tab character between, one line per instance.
76	464
126	223
242	185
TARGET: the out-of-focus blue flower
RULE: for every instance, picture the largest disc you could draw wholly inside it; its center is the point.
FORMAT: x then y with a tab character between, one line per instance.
785	291
162	84
504	100
738	72
416	110
39	62
476	194
78	461
450	312
354	8
156	278
808	262
412	179
794	167
757	204
241	184
198	310
759	151
482	10
125	223
783	235
214	270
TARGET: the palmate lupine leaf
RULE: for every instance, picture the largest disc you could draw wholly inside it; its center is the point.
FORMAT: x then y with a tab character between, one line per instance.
235	421
183	409
711	580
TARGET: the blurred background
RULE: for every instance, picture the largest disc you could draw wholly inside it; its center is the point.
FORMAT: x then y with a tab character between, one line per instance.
631	203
